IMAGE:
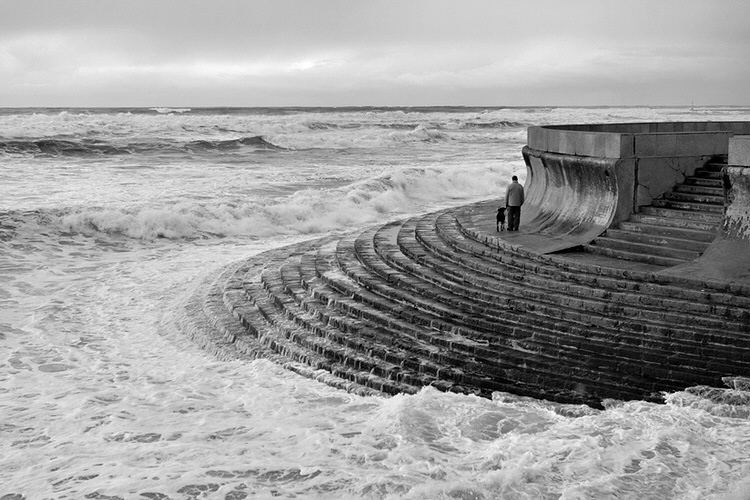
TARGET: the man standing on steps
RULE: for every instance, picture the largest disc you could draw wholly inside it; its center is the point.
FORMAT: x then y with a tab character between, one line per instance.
514	200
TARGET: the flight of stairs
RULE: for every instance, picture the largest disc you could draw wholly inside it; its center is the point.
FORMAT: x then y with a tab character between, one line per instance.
430	301
675	228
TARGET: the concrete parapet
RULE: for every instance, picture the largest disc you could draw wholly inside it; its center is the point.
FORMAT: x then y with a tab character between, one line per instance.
630	140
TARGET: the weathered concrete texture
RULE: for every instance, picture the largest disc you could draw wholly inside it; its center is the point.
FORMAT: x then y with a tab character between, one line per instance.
739	150
657	175
569	200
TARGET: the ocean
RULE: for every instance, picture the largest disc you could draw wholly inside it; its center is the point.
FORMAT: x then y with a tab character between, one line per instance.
111	218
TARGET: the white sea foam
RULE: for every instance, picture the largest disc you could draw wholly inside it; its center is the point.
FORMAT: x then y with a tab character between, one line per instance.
301	211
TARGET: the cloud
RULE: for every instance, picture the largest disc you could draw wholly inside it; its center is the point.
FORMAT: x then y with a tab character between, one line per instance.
338	52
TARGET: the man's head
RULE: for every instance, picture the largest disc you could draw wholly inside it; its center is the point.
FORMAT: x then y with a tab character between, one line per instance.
514	178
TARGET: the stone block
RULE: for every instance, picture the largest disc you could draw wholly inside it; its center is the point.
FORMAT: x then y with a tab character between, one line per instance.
536	138
585	144
739	150
567	144
644	145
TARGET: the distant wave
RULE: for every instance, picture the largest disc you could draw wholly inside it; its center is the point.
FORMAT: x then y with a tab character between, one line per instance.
82	148
60	147
497	124
501	124
256	142
171	110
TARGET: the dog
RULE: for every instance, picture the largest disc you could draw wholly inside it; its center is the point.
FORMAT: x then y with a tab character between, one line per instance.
500	219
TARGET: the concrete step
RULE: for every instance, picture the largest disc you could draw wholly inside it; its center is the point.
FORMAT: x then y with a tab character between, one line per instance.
609	301
715	166
297	344
698	198
704	173
554	305
405	357
677	241
704	181
546	331
665	218
502	348
457	247
705	234
648	249
700	190
620	253
688	206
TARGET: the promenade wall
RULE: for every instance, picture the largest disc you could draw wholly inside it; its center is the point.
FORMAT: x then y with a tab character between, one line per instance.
582	179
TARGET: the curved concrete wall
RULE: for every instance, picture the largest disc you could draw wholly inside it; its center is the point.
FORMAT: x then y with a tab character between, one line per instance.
570	199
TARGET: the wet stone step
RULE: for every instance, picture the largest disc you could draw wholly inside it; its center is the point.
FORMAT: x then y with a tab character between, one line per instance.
380	342
298	344
692	197
603	308
704	181
527	350
688	206
706	231
631	304
645	248
681	297
623	325
544	300
714	190
655	260
661	240
679	217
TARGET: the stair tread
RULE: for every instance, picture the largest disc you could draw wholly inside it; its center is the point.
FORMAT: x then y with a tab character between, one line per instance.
658	260
684	243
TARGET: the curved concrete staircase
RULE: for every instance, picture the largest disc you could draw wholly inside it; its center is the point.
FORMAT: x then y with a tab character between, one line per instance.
439	300
675	228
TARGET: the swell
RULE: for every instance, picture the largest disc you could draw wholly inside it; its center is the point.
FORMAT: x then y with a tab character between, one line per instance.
52	147
60	147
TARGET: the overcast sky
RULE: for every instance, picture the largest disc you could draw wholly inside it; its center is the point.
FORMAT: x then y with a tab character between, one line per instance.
374	52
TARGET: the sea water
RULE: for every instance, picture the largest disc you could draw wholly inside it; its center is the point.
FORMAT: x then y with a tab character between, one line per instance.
111	218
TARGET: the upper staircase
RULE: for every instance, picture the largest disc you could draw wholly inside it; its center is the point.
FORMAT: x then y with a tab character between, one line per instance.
675	228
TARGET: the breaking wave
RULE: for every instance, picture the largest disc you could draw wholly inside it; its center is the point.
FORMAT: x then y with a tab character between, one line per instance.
303	212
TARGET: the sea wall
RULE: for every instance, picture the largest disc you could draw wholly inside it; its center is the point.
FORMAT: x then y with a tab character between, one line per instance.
645	159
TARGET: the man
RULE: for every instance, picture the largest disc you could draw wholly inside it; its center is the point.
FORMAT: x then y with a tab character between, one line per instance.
514	200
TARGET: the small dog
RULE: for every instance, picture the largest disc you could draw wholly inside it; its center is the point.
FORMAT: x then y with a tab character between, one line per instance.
500	219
